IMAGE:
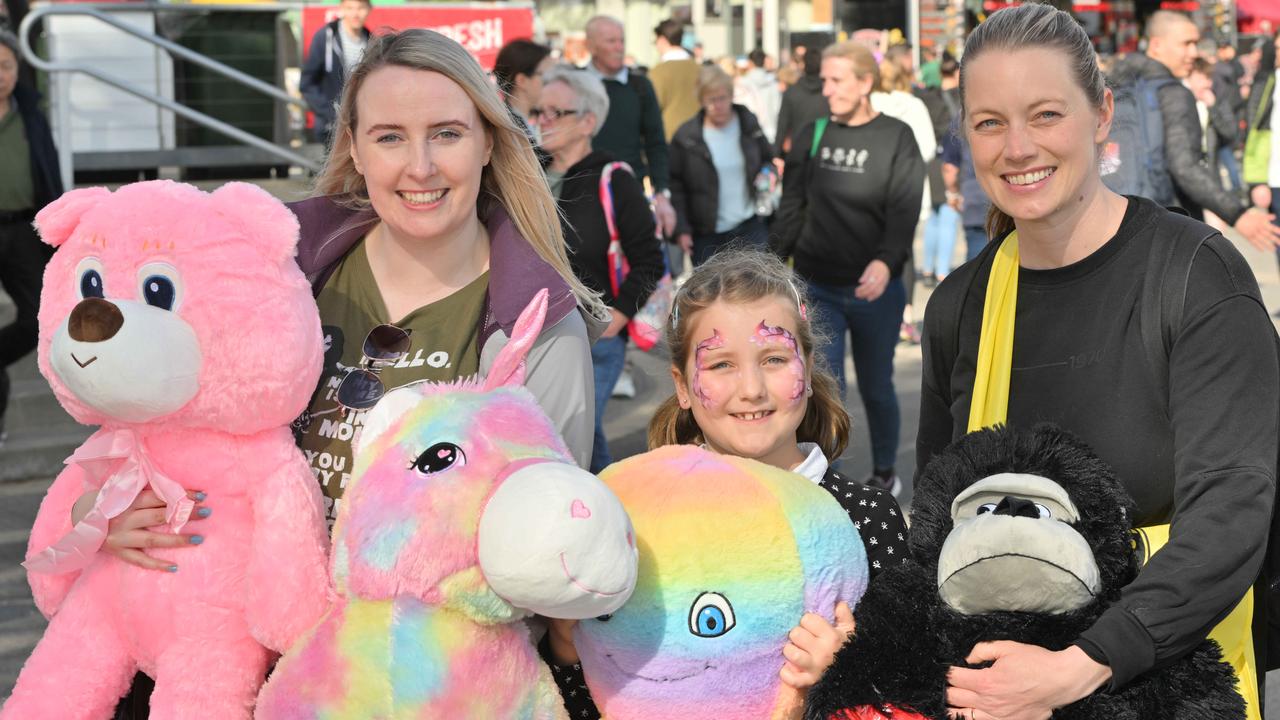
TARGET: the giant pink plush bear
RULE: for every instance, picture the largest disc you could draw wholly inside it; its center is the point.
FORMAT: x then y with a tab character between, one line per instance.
178	321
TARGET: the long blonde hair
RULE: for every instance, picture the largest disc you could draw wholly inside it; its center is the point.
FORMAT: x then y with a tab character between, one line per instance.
513	178
740	277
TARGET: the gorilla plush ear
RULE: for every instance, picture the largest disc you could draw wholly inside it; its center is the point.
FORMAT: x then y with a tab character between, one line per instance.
60	218
264	219
508	367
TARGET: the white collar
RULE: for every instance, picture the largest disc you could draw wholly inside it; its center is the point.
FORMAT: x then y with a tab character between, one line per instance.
815	464
677	53
622	75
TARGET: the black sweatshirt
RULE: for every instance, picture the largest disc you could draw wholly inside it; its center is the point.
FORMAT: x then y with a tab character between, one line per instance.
856	200
1207	466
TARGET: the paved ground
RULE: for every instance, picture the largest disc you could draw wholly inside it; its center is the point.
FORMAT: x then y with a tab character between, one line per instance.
21	624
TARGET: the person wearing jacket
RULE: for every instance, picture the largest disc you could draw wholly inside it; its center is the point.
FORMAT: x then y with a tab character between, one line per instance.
717	157
802	103
574	105
334	51
29	180
1171	50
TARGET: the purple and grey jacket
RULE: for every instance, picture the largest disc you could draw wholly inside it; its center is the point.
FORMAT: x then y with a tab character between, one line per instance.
558	368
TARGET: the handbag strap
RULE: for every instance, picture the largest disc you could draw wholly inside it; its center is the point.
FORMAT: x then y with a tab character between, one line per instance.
614	255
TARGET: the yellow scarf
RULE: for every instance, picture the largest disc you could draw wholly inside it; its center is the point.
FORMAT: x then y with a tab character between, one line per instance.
990	406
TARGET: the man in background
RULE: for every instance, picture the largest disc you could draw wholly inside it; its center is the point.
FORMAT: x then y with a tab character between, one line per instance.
675	77
334	50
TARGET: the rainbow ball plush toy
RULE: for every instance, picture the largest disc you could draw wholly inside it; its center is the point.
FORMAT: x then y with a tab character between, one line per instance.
732	553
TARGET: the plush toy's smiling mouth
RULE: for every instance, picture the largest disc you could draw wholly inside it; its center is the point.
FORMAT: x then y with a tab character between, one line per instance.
667	679
564	564
84	364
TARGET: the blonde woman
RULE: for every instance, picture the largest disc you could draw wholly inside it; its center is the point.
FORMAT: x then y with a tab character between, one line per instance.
432	215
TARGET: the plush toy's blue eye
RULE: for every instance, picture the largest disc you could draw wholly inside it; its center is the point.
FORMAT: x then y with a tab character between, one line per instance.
90	284
159	291
711	615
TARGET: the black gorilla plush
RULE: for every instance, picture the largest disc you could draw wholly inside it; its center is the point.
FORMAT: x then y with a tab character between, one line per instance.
1031	532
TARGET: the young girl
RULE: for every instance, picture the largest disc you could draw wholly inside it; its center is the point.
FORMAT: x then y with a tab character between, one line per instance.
742	358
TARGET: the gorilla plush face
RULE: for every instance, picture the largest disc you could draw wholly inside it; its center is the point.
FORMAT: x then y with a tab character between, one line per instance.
1014	547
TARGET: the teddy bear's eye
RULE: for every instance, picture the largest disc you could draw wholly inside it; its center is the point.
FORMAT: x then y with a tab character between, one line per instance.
159	291
89	277
160	285
986	508
439	457
90	284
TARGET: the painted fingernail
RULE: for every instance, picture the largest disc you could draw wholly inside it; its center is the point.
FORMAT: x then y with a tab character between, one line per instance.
172	568
204	512
197	539
200	496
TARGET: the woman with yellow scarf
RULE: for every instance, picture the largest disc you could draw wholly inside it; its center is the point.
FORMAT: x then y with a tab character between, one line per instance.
1047	325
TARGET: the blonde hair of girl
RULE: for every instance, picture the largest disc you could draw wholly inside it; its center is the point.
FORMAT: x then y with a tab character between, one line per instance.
740	277
513	177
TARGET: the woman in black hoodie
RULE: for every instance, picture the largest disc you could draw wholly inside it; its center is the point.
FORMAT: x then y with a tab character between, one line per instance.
572	109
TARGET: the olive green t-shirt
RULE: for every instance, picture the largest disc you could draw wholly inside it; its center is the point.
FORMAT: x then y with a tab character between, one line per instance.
17	188
444	346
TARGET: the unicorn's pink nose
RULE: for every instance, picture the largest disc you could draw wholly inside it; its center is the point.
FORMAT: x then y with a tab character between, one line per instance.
579	510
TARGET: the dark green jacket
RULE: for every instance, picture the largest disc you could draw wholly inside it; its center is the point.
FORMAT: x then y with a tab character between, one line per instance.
633	131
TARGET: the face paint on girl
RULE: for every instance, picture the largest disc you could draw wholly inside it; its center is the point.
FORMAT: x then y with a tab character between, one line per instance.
775	334
715	342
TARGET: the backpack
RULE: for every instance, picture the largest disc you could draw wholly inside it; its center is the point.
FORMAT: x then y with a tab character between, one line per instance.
1133	155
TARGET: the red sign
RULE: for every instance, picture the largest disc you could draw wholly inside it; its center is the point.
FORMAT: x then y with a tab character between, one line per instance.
481	29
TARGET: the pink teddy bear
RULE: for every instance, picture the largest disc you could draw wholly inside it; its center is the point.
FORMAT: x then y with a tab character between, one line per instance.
179	322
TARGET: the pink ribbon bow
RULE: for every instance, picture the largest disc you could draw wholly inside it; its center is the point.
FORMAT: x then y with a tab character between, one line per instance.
119	462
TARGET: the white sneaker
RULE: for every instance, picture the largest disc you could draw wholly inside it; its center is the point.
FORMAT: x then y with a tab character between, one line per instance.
625	387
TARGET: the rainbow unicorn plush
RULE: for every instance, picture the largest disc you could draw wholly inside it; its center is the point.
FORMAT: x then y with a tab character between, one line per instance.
732	553
464	515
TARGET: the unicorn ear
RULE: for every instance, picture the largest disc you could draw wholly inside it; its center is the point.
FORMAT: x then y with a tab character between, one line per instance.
508	367
393	406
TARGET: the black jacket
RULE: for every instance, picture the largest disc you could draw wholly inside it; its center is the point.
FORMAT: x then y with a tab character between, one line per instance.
802	103
1197	185
46	176
587	234
695	186
323	74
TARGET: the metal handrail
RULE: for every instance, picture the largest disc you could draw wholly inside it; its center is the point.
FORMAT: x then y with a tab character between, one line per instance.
193	115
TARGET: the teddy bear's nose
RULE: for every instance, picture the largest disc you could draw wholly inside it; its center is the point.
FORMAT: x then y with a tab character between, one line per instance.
94	320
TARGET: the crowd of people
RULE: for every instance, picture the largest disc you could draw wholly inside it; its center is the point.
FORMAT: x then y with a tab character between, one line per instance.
446	203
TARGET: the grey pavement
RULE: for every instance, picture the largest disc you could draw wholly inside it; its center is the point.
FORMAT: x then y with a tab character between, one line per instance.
625	422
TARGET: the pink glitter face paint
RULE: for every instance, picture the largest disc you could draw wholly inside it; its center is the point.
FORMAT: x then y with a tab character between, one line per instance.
715	342
777	335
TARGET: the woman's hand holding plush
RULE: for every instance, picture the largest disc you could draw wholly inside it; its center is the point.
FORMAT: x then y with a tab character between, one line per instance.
128	533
